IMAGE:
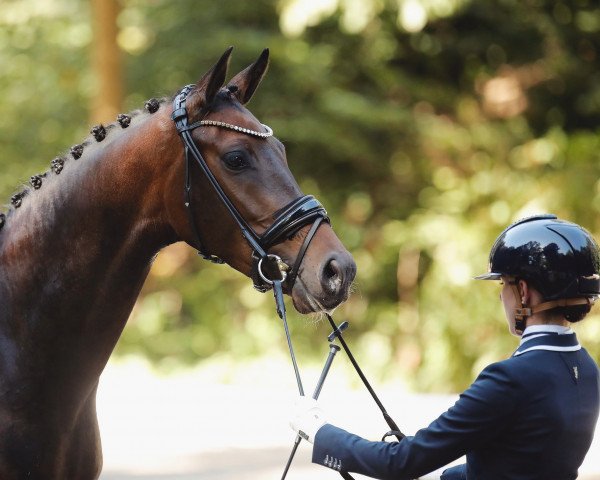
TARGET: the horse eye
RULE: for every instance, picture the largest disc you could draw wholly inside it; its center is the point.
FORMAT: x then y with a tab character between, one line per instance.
236	160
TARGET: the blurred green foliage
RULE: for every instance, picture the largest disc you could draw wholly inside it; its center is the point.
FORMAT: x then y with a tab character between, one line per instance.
424	126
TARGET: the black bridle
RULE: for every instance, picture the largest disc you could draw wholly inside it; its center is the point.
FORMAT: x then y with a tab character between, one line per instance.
288	220
269	271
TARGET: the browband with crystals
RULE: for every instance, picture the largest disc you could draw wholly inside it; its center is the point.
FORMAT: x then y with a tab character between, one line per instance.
247	131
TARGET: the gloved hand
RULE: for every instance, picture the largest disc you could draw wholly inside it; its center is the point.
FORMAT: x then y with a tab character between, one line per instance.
307	417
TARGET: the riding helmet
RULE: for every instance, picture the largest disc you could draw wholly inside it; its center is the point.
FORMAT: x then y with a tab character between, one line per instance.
559	258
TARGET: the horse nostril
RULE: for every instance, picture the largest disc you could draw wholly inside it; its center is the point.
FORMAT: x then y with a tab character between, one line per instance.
331	269
332	277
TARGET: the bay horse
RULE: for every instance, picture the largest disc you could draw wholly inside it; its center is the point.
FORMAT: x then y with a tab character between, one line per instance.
77	245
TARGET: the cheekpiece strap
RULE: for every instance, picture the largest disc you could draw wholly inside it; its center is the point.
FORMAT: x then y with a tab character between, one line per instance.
179	116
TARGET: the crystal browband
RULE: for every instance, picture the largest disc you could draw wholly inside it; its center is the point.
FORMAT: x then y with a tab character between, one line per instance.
247	131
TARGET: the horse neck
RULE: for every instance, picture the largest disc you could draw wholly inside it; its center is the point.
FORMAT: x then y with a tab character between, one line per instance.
74	256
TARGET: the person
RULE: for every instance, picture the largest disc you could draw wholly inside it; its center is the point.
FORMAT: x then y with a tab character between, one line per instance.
529	417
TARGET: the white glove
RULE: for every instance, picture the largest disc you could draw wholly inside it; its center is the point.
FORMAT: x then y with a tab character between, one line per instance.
307	418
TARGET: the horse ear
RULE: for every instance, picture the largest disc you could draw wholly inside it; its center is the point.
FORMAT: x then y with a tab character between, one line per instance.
245	83
212	81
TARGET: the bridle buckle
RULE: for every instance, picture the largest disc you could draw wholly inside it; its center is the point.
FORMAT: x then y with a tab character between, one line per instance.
523	312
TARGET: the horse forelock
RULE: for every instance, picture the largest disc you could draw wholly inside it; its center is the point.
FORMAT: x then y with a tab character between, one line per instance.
75	156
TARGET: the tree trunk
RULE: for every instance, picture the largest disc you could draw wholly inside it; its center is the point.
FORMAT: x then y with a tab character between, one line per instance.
106	61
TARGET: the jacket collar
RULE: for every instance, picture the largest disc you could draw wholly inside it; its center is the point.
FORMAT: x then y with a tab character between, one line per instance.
548	337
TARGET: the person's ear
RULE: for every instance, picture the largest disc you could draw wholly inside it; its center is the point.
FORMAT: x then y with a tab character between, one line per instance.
524	292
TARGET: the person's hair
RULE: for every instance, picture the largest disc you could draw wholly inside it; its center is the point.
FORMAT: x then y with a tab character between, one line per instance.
574	313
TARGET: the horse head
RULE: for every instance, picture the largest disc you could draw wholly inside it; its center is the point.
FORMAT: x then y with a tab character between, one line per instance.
253	204
76	247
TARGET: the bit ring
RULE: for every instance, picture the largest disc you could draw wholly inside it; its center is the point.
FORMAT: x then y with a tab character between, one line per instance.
281	265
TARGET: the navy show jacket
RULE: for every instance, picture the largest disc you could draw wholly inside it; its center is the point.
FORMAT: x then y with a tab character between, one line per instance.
529	417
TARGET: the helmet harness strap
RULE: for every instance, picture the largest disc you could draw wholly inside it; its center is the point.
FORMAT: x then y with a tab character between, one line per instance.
524	312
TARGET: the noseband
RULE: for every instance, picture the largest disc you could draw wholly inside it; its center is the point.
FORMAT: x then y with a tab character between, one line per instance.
286	223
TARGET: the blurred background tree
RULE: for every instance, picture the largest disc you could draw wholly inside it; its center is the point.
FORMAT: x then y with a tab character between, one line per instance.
424	126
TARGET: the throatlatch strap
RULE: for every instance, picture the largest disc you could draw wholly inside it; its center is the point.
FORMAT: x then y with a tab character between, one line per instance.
189	207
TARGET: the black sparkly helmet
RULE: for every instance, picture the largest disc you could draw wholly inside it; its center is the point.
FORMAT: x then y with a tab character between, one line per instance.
559	258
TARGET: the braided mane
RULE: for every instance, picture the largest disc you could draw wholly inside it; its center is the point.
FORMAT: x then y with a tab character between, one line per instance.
98	133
